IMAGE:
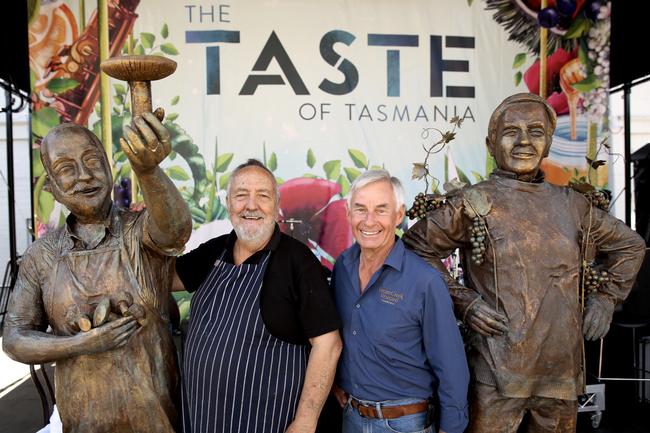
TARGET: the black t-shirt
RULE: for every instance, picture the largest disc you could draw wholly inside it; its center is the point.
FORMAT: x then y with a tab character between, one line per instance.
295	300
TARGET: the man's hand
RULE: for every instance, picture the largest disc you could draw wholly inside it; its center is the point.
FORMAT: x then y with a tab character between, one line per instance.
146	145
598	316
107	337
300	426
341	396
485	320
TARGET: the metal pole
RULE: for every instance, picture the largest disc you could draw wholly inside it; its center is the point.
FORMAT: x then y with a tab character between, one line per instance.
627	91
10	184
104	80
32	229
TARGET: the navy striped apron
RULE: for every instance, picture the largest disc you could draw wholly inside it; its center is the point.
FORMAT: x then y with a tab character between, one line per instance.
237	377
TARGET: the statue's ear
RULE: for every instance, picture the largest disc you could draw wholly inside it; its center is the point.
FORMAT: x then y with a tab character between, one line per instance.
549	141
490	145
47	186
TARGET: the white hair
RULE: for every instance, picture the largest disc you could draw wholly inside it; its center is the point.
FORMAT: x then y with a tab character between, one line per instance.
372	176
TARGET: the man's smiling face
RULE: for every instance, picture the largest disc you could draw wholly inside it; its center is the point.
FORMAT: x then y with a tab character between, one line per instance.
252	204
373	215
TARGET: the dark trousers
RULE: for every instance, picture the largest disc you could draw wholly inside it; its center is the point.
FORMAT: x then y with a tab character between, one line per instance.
492	413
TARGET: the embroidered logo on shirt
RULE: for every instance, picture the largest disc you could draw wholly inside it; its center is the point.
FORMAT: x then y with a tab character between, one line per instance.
390	297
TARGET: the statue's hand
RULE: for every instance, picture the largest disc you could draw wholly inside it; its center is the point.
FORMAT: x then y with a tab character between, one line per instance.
485	320
598	316
148	144
107	337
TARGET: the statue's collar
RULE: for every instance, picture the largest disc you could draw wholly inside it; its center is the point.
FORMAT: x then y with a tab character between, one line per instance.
110	224
539	177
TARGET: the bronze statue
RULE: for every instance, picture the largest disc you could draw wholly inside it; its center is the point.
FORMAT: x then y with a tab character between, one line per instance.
102	283
524	243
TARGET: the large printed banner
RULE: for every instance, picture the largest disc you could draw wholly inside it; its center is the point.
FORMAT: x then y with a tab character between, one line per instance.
321	91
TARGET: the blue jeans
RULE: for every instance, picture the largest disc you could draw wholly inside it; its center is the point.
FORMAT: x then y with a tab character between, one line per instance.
353	422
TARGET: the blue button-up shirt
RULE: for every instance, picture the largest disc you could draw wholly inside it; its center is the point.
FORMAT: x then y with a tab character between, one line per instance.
400	335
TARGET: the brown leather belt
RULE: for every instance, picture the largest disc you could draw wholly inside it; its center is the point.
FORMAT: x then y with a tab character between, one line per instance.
388	412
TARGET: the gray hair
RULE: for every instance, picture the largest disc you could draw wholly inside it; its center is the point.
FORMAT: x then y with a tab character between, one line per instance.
372	176
254	163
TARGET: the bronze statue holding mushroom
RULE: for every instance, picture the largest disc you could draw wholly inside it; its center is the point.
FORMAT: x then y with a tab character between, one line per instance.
523	243
111	269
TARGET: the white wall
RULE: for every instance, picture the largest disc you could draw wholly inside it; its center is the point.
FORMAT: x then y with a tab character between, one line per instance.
639	134
21	150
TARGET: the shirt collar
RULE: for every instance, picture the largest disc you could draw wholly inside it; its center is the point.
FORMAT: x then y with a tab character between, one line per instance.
271	245
394	260
109	223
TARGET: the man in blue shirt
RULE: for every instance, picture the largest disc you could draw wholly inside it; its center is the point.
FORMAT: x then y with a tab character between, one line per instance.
401	342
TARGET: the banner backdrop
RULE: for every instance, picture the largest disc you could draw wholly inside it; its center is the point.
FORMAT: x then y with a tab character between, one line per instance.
321	91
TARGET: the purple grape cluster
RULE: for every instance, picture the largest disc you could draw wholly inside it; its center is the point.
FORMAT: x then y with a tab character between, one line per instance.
422	204
122	192
562	14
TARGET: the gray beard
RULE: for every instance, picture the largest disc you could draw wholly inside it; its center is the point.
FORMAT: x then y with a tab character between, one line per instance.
263	232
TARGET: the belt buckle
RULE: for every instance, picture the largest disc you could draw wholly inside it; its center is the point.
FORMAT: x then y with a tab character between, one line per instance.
366	410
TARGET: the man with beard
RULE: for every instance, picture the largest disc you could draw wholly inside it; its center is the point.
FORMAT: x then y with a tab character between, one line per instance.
120	376
524	244
263	341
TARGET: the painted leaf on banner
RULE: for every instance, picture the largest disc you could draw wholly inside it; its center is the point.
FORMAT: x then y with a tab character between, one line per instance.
351	173
223	161
125	171
37	165
311	159
169	48
45	205
579	27
43	120
519	60
61	85
177	173
272	163
358	158
119	156
345	184
147	39
332	169
587	85
462	176
120	89
164	32
223	180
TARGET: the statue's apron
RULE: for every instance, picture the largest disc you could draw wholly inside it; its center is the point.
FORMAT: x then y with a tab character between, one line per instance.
129	389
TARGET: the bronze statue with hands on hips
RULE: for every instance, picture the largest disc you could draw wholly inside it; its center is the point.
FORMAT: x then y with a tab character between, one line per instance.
524	243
